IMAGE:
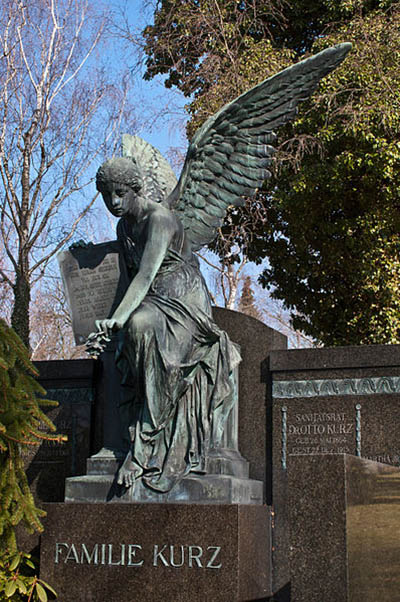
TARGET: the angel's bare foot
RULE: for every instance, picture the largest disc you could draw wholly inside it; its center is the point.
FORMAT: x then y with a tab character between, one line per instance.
129	472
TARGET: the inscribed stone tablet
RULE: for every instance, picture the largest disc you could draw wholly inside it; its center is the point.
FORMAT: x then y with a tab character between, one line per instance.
154	552
320	430
94	280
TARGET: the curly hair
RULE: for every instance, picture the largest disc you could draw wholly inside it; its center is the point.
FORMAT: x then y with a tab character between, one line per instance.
123	170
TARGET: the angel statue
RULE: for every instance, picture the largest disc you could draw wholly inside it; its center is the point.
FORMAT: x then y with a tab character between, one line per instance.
171	354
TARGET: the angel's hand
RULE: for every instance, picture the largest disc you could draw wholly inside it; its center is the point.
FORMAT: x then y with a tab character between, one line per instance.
97	341
81	244
107	327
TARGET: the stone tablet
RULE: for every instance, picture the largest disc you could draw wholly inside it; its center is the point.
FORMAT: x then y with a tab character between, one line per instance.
94	280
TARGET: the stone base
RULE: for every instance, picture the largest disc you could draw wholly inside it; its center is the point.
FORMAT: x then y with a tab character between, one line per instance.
148	553
106	461
199	489
226	482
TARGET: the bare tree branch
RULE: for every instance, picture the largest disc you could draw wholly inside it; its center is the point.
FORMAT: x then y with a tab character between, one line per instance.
60	113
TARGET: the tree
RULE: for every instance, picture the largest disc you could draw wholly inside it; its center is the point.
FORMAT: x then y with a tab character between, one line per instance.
333	206
336	258
247	302
22	424
213	50
51	325
54	100
5	292
232	247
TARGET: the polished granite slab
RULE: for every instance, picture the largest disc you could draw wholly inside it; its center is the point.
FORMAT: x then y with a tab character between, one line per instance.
344	523
153	552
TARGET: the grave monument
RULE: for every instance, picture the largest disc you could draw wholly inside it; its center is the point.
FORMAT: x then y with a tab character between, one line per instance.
177	367
168	503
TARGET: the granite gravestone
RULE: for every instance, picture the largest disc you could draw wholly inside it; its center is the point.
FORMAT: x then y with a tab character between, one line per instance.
326	402
147	552
339	507
340	400
72	384
242	532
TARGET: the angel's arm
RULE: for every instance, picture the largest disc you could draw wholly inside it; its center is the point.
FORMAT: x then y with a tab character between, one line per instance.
160	231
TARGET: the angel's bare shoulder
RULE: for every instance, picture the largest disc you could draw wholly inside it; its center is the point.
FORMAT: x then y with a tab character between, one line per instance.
163	219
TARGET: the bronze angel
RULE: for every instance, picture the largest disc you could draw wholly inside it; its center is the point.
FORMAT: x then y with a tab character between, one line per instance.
172	356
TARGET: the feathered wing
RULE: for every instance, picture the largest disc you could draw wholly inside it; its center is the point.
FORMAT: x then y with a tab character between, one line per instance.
229	155
158	178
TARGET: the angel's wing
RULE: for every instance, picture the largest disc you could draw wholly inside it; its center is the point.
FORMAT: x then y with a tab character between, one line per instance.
158	178
229	155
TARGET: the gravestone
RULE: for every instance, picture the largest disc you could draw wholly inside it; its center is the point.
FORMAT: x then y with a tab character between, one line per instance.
153	552
256	341
241	531
334	515
325	402
339	400
72	384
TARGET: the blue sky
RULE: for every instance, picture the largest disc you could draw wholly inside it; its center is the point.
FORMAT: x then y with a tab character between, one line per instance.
160	113
161	108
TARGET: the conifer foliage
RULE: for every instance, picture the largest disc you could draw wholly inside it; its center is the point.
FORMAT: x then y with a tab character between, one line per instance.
22	424
247	303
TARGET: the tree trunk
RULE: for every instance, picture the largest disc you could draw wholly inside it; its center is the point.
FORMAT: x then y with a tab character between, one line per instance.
233	281
20	313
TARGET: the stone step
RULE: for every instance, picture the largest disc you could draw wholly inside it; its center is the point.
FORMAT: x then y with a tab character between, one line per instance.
199	489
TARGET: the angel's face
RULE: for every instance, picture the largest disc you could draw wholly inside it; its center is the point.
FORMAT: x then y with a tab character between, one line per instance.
119	198
119	182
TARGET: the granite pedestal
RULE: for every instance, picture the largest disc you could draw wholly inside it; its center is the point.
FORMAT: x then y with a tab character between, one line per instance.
149	553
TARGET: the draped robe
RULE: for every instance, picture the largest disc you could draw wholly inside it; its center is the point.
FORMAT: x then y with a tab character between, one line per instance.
177	369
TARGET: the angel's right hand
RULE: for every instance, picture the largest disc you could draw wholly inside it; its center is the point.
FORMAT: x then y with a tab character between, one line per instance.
107	327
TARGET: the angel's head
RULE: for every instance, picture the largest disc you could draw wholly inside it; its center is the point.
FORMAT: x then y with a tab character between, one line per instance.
119	182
